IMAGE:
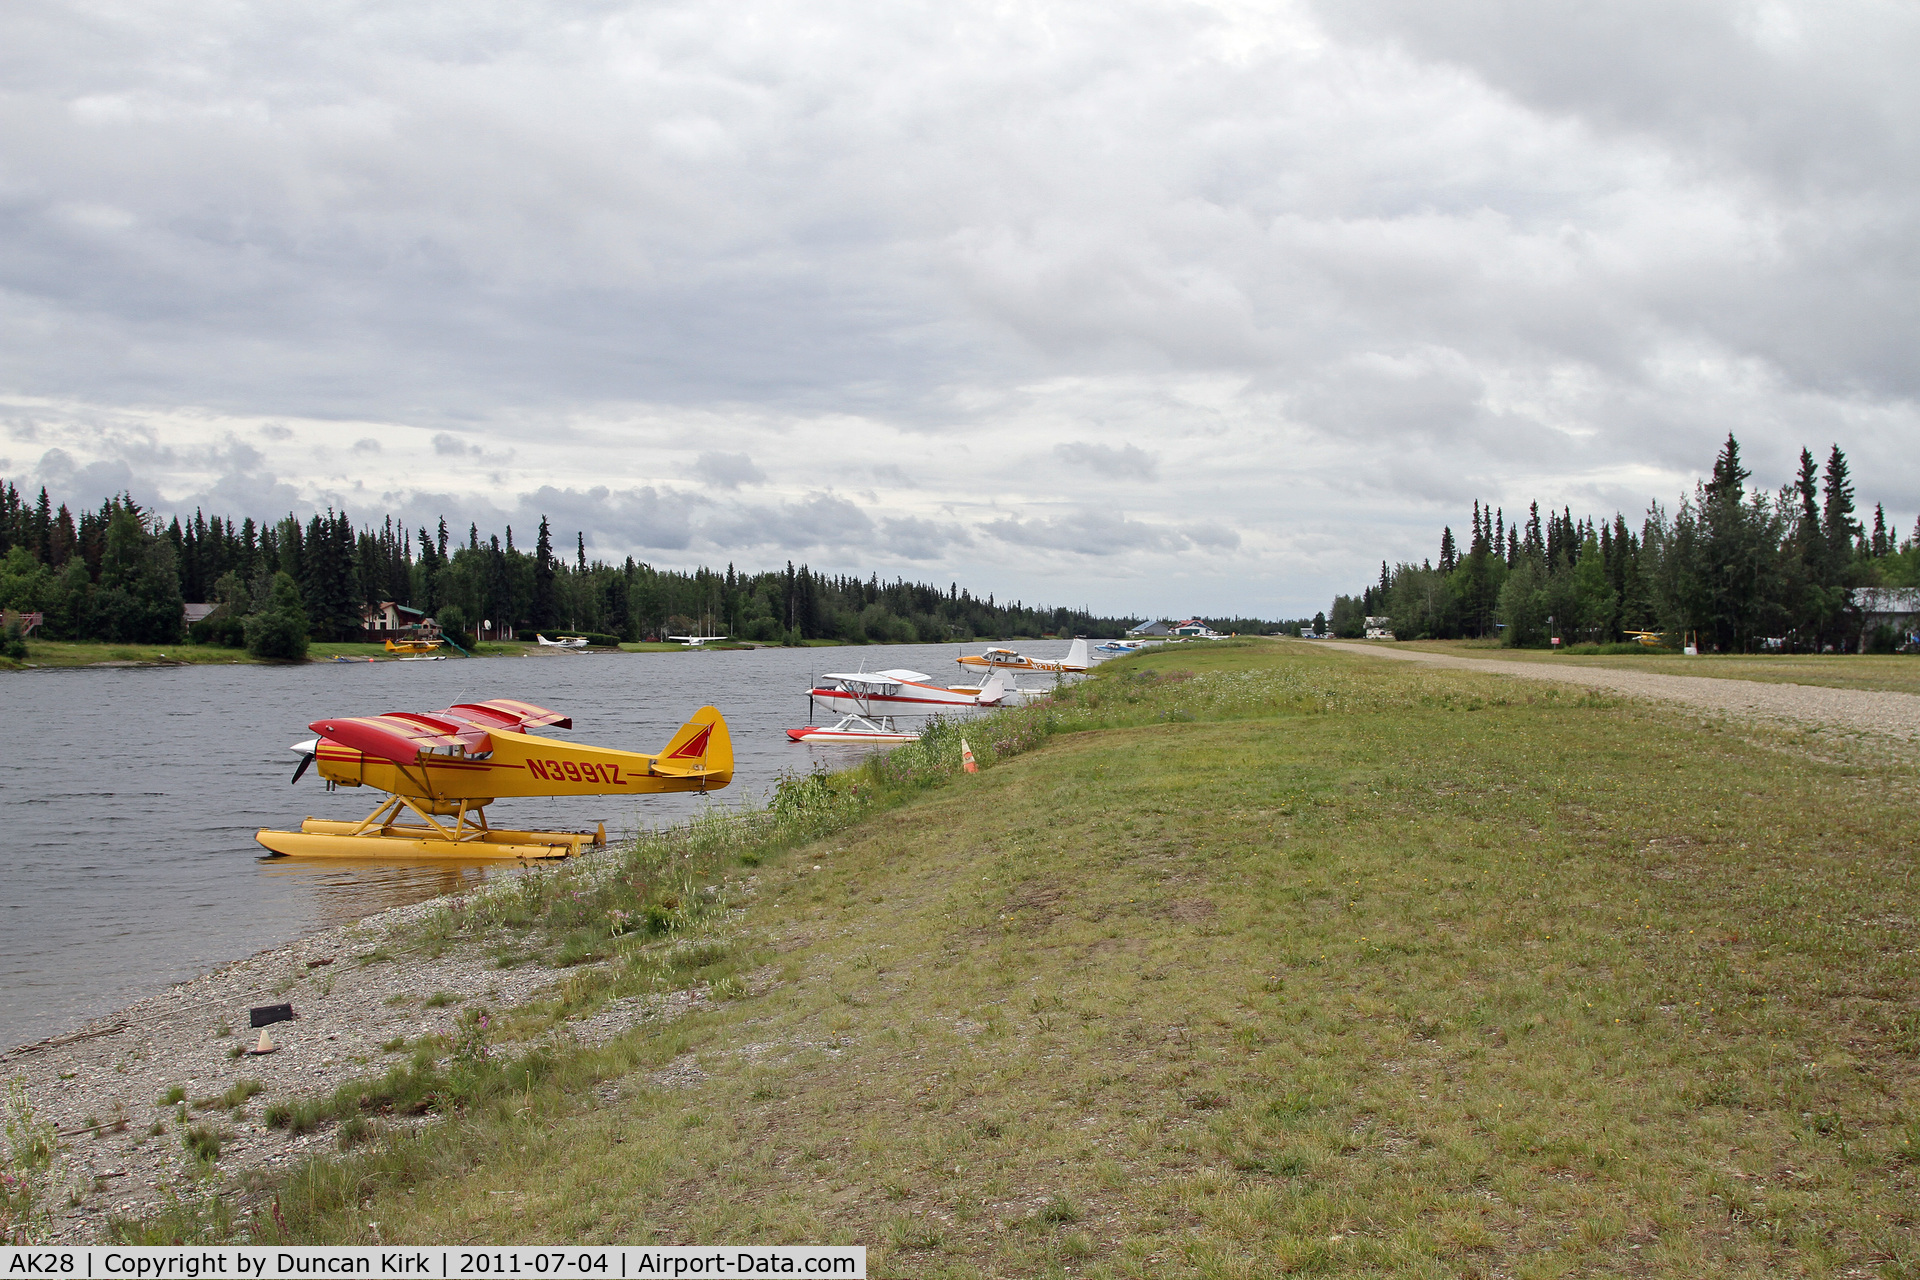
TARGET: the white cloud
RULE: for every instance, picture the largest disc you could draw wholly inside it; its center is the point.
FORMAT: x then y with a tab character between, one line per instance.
1320	273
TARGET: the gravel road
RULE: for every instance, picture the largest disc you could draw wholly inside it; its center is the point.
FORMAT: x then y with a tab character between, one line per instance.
1893	715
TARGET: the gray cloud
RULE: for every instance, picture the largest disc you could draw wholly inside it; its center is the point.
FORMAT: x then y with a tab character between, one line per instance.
727	470
1092	533
922	540
647	519
820	520
1128	462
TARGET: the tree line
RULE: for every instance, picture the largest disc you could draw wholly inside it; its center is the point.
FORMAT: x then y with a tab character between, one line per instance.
120	574
1741	567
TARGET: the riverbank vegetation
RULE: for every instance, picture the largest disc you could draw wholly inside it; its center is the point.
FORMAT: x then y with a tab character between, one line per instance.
121	574
1741	567
1238	959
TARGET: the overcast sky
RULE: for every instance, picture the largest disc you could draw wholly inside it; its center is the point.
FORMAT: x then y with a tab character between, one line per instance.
1154	307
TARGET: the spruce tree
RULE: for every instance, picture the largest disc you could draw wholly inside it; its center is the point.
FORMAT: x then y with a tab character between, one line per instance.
543	601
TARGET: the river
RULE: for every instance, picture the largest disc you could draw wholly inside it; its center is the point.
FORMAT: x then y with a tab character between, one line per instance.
129	797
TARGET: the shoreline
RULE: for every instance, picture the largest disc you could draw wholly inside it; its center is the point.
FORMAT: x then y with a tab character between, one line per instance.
208	656
356	990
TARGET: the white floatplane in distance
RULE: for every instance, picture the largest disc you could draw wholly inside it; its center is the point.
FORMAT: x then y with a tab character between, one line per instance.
694	642
564	642
899	690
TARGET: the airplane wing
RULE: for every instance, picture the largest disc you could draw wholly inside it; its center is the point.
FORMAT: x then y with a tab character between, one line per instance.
509	713
866	681
401	736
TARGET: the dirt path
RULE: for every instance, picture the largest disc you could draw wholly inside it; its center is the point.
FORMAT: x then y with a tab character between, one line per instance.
1893	715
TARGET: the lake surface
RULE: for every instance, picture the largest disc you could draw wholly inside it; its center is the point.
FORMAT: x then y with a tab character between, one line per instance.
129	797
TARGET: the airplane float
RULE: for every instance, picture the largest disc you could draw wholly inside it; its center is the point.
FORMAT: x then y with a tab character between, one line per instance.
1008	660
564	642
443	769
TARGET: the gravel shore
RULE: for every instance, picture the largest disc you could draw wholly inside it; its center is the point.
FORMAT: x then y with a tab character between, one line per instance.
353	989
1891	715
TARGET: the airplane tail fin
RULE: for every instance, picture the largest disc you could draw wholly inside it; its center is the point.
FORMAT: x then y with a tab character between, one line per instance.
1077	655
992	691
702	747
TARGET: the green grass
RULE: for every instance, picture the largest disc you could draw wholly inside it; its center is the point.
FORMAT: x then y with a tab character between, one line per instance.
1898	673
1271	960
85	653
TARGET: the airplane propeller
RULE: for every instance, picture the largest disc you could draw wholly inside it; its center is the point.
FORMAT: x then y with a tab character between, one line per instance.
307	750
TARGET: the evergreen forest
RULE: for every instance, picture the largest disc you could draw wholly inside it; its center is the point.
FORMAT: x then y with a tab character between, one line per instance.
1741	568
119	574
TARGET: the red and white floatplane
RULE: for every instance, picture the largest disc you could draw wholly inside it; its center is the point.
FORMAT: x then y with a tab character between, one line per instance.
872	699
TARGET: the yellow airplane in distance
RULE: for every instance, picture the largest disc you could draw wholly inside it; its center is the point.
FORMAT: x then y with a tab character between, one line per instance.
1651	639
453	763
412	646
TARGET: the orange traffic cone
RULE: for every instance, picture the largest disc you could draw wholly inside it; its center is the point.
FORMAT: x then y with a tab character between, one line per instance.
966	758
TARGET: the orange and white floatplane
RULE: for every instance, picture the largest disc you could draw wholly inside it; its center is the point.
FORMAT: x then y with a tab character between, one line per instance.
441	769
1008	660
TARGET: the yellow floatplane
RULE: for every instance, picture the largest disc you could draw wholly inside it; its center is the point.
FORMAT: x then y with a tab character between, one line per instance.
441	770
412	646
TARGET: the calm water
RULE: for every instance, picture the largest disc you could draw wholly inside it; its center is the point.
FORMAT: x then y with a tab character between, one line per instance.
129	798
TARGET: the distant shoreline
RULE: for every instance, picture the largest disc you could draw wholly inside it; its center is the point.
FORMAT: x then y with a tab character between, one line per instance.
96	655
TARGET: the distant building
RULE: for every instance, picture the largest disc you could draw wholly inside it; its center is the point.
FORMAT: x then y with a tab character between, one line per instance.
1379	628
1151	630
197	612
1195	628
1896	607
391	619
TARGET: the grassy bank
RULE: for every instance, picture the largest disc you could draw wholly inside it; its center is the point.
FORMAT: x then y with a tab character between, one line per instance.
1894	673
1268	959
